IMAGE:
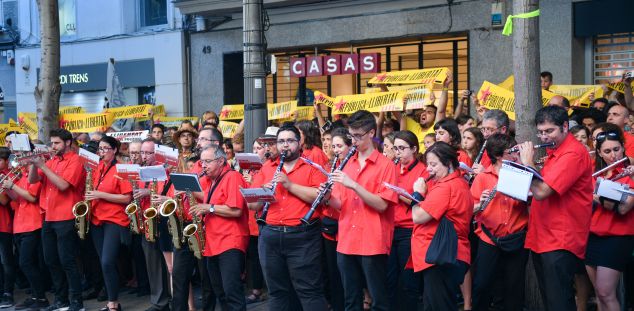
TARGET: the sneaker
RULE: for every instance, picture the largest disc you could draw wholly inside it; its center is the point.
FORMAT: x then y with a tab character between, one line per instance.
57	306
76	305
7	301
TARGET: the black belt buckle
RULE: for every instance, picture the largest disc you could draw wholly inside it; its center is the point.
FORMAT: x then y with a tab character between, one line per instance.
290	229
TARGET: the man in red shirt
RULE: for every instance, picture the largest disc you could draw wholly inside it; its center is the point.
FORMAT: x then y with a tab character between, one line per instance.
6	237
63	181
366	222
559	218
290	251
494	121
619	115
226	226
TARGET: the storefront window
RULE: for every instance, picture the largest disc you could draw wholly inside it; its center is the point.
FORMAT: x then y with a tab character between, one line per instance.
67	18
153	12
613	56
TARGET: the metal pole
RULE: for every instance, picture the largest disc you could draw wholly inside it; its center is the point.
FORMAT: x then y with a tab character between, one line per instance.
255	114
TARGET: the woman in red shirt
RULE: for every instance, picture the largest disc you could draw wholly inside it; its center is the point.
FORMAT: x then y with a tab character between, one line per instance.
310	142
409	169
108	200
448	197
611	239
447	131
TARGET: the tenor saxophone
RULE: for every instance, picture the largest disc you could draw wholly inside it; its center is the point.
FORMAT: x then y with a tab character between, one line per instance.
133	210
195	232
81	209
172	209
150	223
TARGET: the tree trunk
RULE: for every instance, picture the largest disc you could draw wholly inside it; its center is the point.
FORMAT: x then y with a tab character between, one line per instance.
528	99
48	89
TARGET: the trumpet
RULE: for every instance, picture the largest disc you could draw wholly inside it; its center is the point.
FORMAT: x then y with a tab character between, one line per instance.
172	209
13	175
133	210
195	232
262	219
81	209
16	161
150	223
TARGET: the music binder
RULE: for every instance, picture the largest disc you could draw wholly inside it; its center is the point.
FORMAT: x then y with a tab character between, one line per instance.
514	180
186	182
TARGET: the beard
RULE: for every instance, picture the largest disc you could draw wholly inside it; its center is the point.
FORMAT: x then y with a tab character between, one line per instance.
290	155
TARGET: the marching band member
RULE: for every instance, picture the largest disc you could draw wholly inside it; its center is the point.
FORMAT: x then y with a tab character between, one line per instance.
6	235
310	142
63	181
449	199
290	252
109	221
366	220
226	226
27	227
447	131
254	270
410	168
559	220
611	238
134	150
494	121
502	217
154	261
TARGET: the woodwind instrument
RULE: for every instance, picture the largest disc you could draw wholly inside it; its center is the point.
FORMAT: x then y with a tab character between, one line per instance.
150	222
81	209
609	167
195	232
486	202
478	159
262	219
172	209
546	145
133	210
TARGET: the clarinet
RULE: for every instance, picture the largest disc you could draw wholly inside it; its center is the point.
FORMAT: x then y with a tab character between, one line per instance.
262	219
481	153
327	187
486	202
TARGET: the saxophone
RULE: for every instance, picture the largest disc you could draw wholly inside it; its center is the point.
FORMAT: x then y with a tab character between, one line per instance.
133	210
173	210
195	232
150	223
81	209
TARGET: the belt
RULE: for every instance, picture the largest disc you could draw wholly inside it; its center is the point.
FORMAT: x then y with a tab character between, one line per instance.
290	229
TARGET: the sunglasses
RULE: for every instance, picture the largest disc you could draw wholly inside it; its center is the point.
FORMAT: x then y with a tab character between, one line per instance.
603	136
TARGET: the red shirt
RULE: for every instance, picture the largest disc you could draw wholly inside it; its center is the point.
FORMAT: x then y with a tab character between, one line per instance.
254	229
464	158
406	179
59	204
629	144
562	221
6	224
316	155
485	161
610	223
504	215
362	229
28	216
225	233
449	197
103	179
289	209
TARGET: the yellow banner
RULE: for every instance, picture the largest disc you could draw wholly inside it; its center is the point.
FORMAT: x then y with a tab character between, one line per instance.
28	121
232	112
140	111
375	102
281	110
370	90
227	128
323	99
619	86
418	97
416	76
508	83
6	128
578	95
495	97
86	122
174	121
71	109
303	113
159	110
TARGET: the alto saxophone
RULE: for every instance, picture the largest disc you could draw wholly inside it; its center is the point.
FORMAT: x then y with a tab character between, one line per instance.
150	223
195	232
81	209
133	210
173	210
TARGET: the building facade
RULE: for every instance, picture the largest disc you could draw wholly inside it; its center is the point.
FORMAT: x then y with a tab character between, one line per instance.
144	37
463	35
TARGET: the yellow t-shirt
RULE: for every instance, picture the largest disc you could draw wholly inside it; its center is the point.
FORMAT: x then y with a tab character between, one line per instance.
413	126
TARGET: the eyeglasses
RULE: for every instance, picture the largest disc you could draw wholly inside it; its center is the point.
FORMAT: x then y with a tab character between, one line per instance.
601	137
104	149
134	153
546	132
207	161
287	141
400	148
485	130
359	136
208	139
146	153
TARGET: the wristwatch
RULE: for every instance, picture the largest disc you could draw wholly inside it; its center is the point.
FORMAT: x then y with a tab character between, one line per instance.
212	209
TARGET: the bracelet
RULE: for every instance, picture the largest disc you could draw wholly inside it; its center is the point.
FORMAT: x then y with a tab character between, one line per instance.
418	197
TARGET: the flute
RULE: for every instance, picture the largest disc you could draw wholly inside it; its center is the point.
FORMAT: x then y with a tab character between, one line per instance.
546	145
601	171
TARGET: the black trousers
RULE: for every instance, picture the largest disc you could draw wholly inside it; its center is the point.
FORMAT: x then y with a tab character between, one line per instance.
61	244
442	285
182	275
8	262
403	284
29	244
255	269
157	274
138	259
225	271
292	260
510	267
107	240
555	275
357	272
335	286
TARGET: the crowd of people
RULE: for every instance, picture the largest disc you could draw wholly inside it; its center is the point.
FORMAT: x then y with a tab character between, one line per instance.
337	238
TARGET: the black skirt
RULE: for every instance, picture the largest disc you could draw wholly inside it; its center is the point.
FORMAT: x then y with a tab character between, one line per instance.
612	252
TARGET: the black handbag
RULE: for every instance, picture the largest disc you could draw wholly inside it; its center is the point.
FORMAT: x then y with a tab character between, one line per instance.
329	226
444	245
507	243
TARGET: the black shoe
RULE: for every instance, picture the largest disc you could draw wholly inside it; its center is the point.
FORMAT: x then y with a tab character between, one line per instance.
32	304
102	295
106	308
7	301
76	305
57	306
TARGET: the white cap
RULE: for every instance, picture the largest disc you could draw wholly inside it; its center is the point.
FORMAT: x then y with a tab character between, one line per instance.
272	130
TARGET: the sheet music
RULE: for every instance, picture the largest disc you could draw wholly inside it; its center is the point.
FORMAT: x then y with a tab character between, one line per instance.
611	190
254	195
514	182
248	161
317	166
465	167
89	157
20	142
400	191
535	173
151	173
186	182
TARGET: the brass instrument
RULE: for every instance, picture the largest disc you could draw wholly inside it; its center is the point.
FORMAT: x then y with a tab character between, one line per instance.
133	210
150	223
13	175
81	209
173	210
16	161
195	232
